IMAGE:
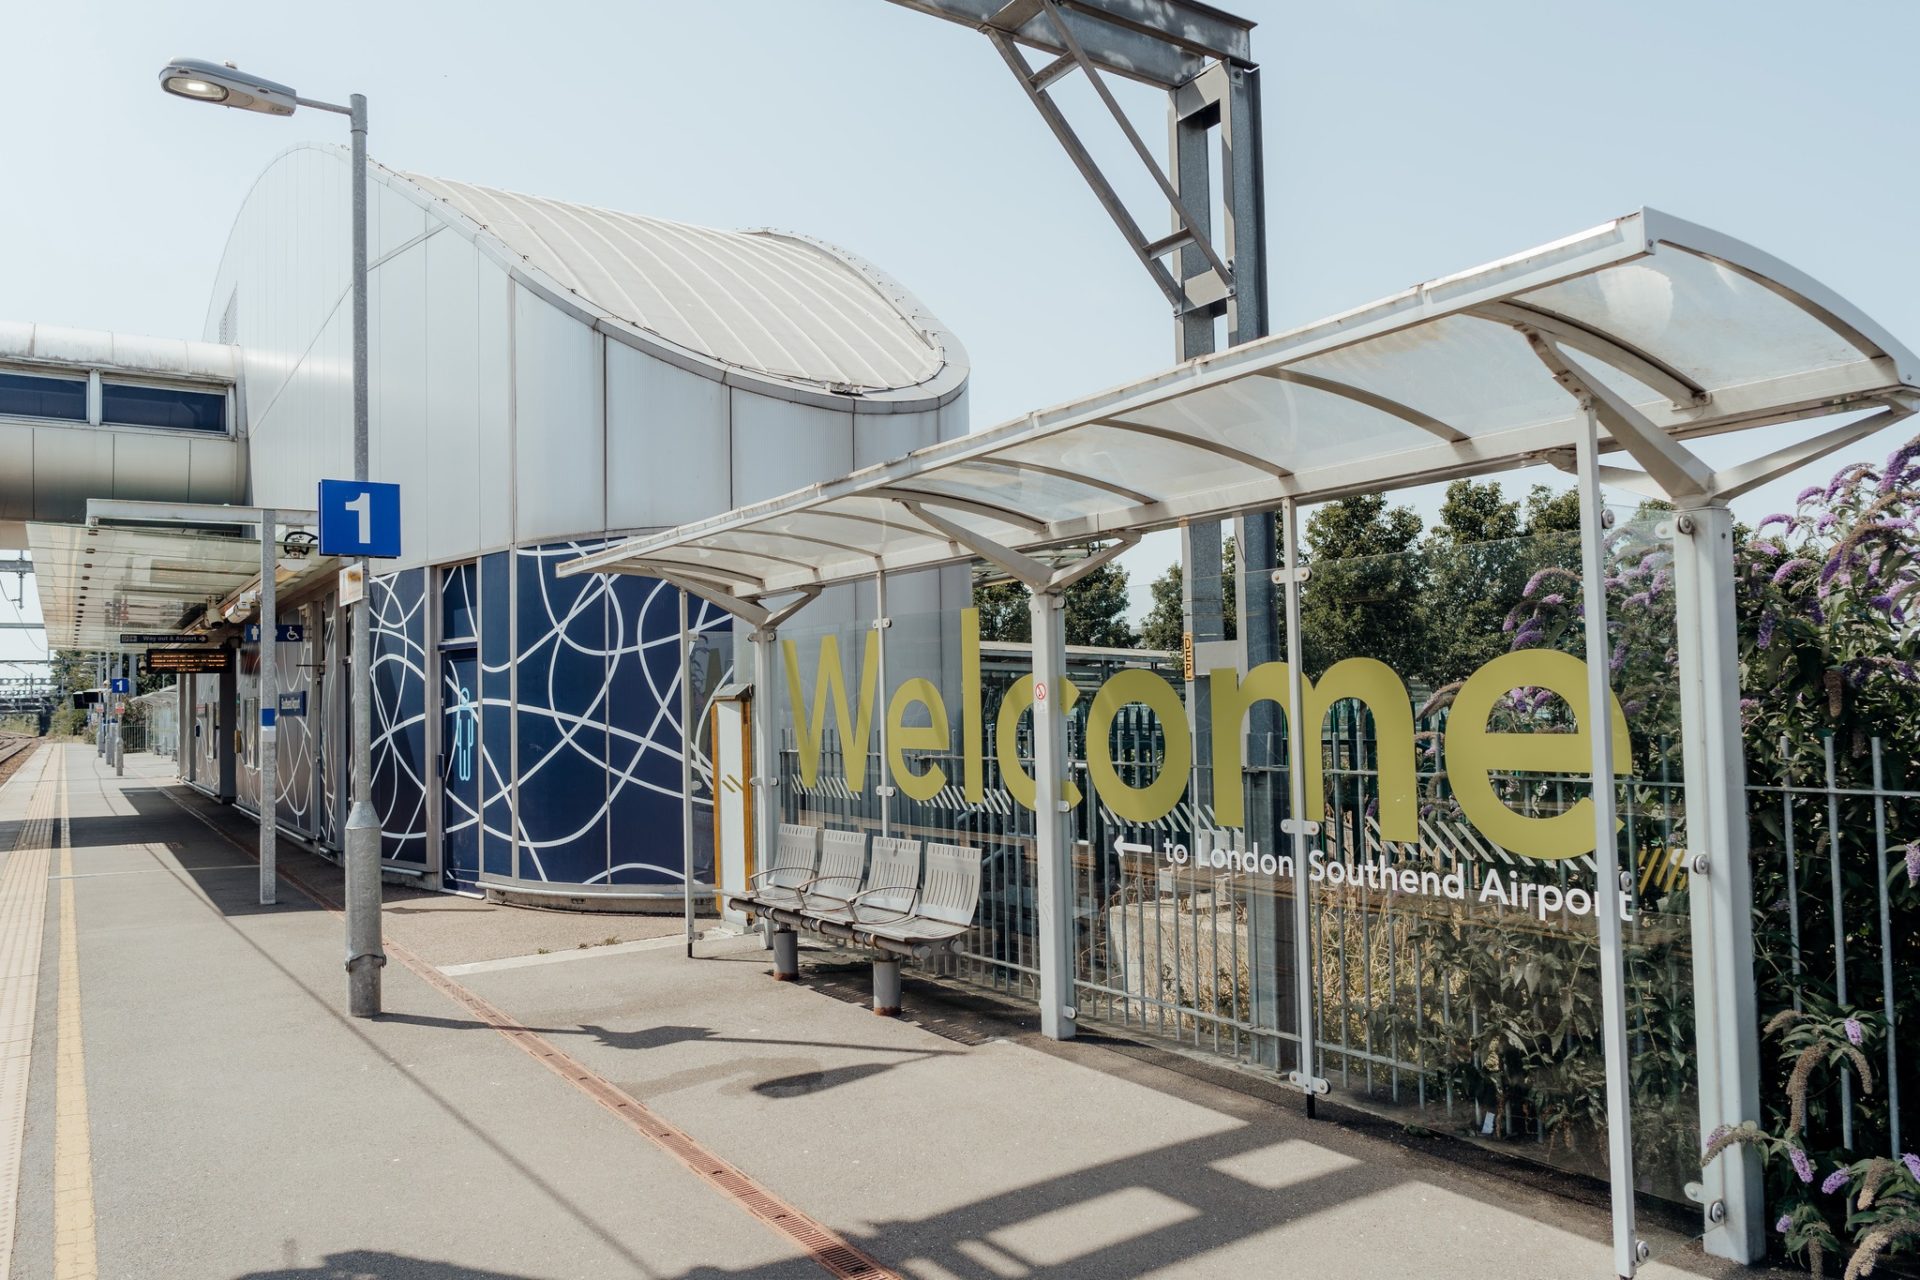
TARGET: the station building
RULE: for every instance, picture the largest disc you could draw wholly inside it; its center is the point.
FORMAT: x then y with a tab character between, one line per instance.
546	378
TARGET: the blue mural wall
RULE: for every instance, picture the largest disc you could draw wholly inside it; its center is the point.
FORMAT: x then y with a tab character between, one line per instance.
400	766
578	681
496	715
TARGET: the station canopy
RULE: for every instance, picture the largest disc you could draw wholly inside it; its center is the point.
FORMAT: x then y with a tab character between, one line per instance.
1475	372
98	581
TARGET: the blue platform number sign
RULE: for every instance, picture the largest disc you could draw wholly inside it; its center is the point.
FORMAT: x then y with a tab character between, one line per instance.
359	519
122	685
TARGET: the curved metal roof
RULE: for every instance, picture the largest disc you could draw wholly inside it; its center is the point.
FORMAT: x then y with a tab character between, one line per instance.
1666	329
783	306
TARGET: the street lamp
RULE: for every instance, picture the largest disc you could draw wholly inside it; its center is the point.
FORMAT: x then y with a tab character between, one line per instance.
225	85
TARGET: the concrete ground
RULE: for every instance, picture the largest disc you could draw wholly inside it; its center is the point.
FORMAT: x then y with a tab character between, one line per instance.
198	1105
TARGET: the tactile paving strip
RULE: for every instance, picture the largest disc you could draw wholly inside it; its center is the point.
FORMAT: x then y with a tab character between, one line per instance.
23	914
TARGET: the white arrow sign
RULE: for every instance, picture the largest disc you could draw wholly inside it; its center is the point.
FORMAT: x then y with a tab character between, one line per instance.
1125	848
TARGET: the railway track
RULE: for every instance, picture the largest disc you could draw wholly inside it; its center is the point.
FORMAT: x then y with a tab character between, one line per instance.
13	752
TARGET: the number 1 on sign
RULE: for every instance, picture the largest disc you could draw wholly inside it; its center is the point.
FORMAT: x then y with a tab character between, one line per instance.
362	507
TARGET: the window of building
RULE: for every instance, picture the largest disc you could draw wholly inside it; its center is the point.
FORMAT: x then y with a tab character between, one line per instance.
26	395
126	405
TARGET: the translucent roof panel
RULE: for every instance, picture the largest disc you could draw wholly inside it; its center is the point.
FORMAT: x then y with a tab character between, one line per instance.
1672	328
96	582
776	304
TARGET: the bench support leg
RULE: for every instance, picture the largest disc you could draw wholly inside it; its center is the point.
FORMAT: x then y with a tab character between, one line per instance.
886	986
786	955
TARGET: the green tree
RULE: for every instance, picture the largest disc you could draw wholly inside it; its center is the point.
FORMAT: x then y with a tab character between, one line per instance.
1096	610
1366	596
1165	622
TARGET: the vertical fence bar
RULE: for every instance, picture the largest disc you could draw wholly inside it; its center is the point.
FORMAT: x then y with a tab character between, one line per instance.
1793	867
1886	951
1839	930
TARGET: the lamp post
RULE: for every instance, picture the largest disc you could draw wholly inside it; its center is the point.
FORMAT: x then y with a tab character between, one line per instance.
226	85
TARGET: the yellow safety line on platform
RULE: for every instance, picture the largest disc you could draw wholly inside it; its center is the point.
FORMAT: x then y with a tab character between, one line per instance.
23	914
74	1256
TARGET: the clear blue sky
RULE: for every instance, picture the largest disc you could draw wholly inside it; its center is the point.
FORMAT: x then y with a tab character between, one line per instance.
1405	140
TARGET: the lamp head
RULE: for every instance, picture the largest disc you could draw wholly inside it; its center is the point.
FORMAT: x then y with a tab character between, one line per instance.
227	86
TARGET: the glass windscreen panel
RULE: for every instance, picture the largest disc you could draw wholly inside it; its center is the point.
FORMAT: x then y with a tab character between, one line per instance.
27	395
126	404
1451	875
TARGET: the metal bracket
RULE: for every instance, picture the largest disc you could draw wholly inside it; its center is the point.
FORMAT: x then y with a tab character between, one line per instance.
1283	576
1299	827
1306	1083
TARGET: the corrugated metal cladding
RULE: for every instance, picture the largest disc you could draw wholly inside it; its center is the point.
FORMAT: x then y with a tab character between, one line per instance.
759	300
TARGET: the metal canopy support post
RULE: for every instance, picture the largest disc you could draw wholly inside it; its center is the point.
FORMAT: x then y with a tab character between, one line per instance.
689	735
1720	900
1299	735
1052	815
1606	852
269	706
766	779
883	788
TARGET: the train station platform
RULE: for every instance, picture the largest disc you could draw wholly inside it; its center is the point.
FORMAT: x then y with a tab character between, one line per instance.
558	1097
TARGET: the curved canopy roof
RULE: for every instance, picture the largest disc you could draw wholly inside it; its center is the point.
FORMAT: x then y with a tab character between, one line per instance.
1668	329
780	305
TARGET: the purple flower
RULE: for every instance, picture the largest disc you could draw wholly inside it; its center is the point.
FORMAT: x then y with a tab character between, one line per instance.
1784	1225
1807	494
1766	548
1912	1162
1553	597
1913	878
1619	658
1788	569
1881	602
1719	1131
1767	624
1802	1165
1835	1180
1855	1032
1507	626
1533	583
1897	464
1826	522
1778	517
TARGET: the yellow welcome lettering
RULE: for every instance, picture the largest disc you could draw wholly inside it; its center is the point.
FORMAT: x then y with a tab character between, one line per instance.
830	683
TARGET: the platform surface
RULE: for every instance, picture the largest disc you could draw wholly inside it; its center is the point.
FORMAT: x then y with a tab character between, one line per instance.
197	1104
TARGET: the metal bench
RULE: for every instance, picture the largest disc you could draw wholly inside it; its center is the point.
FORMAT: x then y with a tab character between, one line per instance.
796	861
888	903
